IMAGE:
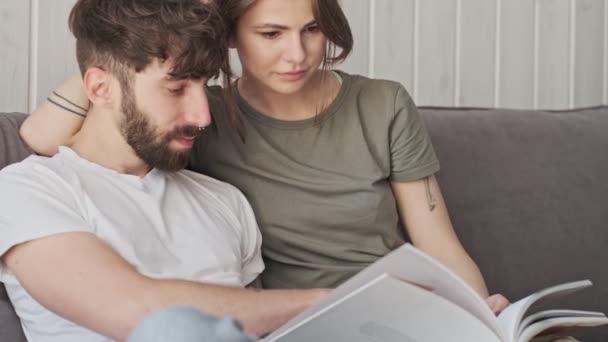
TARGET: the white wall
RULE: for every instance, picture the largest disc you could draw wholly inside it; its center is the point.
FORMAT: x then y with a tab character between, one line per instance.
549	54
14	55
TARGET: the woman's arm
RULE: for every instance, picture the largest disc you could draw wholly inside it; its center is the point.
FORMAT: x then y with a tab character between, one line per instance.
58	119
424	213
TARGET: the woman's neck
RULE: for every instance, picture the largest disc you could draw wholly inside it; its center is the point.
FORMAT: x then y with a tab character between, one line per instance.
316	95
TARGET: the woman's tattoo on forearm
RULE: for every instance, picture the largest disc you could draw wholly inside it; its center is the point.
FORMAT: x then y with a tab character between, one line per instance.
432	202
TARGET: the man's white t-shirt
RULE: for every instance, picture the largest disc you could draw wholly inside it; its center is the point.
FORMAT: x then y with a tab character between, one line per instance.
179	225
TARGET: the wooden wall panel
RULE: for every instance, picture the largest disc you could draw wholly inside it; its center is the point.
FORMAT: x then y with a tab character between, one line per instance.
14	55
358	14
55	56
477	53
552	58
394	41
515	71
549	54
588	53
435	79
605	101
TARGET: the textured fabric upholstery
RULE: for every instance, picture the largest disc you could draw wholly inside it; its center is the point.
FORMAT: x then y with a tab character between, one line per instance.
12	150
527	193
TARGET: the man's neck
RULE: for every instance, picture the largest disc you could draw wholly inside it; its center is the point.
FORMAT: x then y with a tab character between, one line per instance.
101	142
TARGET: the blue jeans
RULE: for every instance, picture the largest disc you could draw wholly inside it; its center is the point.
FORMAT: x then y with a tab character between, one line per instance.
182	324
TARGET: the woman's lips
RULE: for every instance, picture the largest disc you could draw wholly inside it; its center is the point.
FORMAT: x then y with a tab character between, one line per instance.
293	75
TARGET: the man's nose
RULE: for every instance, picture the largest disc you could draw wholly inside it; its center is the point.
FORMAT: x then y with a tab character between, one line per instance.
197	111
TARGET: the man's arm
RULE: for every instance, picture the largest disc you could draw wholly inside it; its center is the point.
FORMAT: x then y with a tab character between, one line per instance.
80	278
58	119
424	213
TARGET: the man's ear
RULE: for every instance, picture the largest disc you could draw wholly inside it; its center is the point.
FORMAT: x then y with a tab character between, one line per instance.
97	85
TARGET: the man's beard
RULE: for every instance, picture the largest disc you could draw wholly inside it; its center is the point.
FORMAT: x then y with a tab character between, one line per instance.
150	145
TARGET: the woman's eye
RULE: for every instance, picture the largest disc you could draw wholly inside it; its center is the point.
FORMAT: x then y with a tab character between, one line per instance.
312	29
270	34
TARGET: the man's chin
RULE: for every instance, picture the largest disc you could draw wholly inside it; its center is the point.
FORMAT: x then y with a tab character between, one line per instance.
177	150
178	160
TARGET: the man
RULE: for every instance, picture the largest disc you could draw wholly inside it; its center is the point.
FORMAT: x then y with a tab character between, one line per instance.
107	231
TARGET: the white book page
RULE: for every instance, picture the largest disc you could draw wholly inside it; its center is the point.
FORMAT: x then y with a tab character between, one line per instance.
562	322
391	310
409	264
512	316
548	314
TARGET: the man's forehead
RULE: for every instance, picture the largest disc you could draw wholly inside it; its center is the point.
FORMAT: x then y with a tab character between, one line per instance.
159	70
162	70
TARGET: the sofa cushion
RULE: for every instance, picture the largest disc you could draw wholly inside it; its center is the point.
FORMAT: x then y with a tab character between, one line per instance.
10	328
528	196
12	150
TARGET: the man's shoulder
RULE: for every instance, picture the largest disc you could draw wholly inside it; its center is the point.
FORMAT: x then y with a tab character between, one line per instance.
30	165
39	172
211	184
36	180
208	190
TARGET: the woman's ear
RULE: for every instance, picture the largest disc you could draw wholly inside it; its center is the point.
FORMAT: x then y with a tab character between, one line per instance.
97	85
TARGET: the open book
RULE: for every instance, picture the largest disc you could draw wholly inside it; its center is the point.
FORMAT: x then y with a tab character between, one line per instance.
407	296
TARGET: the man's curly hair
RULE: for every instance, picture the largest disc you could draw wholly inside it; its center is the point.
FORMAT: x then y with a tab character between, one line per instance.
120	35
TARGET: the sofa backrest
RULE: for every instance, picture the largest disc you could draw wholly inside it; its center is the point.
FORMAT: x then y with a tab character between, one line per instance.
527	192
12	150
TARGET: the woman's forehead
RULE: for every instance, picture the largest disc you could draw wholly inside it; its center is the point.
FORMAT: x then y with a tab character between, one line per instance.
279	12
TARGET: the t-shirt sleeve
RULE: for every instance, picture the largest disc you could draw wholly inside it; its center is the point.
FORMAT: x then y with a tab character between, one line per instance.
412	153
34	203
251	243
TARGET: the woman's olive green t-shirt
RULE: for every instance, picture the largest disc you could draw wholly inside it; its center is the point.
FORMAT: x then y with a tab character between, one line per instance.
320	188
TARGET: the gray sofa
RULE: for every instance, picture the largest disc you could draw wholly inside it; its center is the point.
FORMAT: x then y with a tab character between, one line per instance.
527	193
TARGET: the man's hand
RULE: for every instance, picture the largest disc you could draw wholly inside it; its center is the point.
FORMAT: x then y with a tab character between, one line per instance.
497	303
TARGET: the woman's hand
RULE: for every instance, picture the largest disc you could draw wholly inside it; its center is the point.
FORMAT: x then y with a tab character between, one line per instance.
497	303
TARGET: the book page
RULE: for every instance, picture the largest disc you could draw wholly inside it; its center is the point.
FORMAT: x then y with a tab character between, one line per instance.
548	314
389	310
512	316
563	322
409	264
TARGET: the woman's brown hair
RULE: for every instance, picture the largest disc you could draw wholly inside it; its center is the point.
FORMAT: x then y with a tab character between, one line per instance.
327	13
329	17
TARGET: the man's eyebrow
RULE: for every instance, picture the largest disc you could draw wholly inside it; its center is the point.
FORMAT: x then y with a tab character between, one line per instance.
278	26
170	78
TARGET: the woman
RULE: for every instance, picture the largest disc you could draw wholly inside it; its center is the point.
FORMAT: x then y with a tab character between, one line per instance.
338	168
